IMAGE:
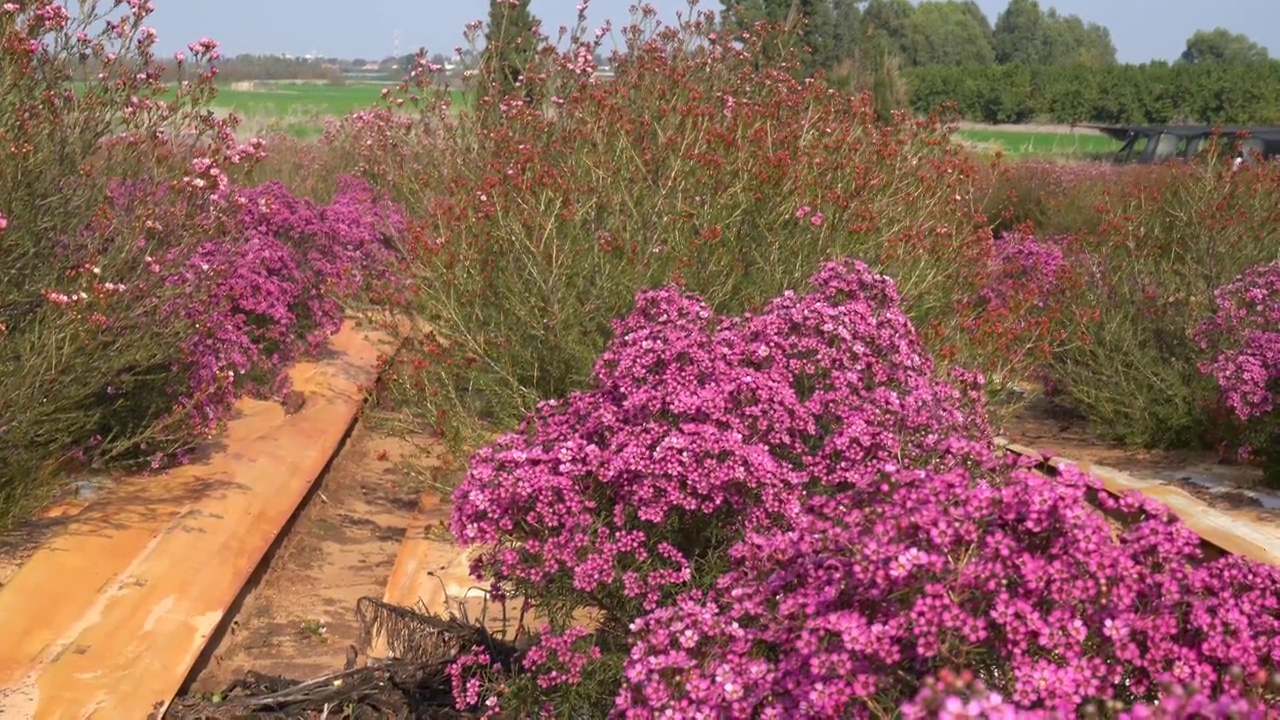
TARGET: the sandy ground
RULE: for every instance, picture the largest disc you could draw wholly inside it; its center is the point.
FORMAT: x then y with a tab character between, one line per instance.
298	620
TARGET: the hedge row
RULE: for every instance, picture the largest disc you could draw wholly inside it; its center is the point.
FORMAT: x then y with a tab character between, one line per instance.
1152	93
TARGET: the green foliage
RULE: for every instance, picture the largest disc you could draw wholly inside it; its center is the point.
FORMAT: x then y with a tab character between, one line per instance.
510	43
1019	34
1068	40
948	33
1154	244
1220	45
1124	94
1026	34
690	165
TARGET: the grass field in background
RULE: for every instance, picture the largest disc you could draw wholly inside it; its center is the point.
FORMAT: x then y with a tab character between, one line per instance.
298	109
1015	142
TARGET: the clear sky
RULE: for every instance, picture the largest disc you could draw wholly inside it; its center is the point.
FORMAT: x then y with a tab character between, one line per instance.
1141	29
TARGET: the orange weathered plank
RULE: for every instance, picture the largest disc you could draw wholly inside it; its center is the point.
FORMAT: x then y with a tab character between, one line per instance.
434	574
107	618
1237	531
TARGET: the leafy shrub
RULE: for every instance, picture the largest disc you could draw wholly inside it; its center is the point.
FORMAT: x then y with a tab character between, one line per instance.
1168	237
1243	341
787	514
1051	198
693	165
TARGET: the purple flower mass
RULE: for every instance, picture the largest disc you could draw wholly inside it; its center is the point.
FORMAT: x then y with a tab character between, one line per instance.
271	289
796	517
1242	339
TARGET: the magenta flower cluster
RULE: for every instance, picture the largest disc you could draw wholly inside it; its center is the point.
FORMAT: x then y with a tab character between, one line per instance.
979	565
1242	339
952	696
698	427
1023	271
271	288
793	516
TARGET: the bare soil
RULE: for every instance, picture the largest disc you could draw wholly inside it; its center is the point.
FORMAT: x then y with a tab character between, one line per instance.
298	620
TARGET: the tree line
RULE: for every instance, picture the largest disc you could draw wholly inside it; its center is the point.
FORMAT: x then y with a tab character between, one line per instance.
1152	93
1031	63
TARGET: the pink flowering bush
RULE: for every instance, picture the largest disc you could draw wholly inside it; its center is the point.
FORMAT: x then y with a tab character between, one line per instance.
1243	340
1023	300
788	514
698	427
981	565
270	289
145	285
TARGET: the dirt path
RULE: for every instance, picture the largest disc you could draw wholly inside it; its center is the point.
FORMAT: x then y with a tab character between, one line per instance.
298	620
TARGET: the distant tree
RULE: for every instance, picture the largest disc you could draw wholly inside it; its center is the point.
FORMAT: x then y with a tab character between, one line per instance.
946	32
1019	34
510	42
885	26
971	7
846	21
814	21
359	62
1068	40
744	13
1220	45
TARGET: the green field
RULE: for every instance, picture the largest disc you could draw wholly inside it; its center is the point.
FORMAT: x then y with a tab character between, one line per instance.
1023	144
298	109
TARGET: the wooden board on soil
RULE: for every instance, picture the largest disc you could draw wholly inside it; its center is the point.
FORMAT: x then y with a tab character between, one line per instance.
298	619
106	618
1222	502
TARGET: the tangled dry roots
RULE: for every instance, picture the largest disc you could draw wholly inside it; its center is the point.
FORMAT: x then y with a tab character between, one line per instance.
412	683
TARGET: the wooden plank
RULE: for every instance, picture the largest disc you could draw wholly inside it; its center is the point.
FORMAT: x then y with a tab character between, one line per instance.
1239	532
107	618
432	574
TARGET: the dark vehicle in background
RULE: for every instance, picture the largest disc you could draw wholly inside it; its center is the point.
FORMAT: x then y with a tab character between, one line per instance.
1161	143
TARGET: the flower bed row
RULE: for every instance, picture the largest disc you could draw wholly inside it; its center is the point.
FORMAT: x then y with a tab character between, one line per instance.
788	514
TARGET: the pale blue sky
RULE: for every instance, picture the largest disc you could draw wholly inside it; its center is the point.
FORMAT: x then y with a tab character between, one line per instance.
1141	29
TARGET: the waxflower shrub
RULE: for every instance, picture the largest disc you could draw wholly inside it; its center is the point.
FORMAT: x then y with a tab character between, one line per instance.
143	284
1024	300
698	163
266	281
1242	343
790	513
85	121
979	565
696	426
1167	239
270	290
